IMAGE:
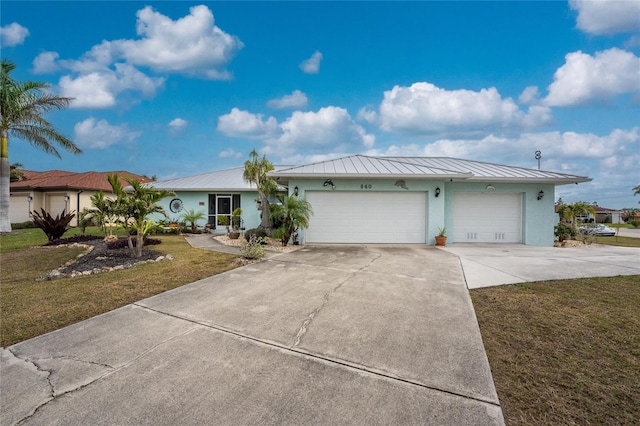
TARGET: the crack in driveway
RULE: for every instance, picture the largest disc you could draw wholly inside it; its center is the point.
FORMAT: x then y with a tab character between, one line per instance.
306	323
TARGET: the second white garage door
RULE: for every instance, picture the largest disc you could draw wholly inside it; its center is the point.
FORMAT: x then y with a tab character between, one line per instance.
367	217
487	218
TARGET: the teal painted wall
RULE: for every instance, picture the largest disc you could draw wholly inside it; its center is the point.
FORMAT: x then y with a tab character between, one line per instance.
192	200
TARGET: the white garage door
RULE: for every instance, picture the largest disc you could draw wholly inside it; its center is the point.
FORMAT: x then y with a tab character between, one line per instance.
367	217
487	218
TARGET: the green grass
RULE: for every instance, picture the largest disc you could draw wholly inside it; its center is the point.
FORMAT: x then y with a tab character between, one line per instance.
619	241
25	238
29	308
564	352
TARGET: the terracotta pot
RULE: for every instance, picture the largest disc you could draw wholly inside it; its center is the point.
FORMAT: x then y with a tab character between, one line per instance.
234	235
441	241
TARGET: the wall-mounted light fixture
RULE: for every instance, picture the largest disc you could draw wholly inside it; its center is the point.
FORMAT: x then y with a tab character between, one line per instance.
491	188
295	191
437	192
29	198
540	195
66	198
329	182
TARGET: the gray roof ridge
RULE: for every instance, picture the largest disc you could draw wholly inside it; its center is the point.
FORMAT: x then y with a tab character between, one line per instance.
389	158
497	164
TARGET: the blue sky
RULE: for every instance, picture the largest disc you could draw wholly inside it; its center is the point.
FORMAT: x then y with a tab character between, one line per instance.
179	88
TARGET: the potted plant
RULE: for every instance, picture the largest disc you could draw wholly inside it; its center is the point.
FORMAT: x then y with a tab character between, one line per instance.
441	238
235	224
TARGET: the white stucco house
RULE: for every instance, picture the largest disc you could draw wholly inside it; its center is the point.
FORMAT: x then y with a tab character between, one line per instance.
362	199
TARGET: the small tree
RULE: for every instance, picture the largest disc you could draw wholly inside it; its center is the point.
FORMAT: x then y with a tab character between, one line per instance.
132	208
192	216
294	214
255	171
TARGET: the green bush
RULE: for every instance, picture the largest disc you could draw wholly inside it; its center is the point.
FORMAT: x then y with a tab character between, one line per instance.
564	232
256	232
253	248
634	223
24	225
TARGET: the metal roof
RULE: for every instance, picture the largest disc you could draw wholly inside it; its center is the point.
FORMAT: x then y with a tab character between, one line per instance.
220	180
361	166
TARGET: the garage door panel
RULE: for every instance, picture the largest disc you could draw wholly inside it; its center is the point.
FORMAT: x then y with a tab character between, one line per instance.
366	217
482	217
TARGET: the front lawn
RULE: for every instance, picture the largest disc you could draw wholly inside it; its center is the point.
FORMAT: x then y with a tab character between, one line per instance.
564	352
30	308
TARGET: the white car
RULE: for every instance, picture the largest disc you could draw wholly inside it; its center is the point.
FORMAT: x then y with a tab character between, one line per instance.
598	229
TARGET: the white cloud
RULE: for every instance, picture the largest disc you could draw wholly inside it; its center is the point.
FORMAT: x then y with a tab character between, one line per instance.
178	123
584	78
230	153
425	108
296	99
529	95
312	65
331	127
100	134
13	34
90	91
328	128
559	149
243	124
46	63
607	16
99	89
191	45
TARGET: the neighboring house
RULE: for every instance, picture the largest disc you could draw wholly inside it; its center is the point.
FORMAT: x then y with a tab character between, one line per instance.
361	199
216	194
58	190
605	215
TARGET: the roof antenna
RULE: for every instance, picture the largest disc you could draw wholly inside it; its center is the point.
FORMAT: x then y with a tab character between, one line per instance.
538	157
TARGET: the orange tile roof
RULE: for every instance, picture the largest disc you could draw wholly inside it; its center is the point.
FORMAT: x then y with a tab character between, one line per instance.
60	179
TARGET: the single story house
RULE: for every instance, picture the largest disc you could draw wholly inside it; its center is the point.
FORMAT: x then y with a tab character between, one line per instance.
363	199
58	190
605	215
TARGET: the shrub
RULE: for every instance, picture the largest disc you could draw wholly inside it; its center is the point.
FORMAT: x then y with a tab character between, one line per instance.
24	225
635	223
121	243
253	248
256	232
281	235
53	227
563	232
71	240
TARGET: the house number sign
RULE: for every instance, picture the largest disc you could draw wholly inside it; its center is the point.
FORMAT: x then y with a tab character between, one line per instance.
366	186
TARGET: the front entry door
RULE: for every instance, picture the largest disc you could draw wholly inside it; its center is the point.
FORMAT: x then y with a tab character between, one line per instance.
223	207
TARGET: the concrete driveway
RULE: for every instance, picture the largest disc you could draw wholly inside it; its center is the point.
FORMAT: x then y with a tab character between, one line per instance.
324	335
494	264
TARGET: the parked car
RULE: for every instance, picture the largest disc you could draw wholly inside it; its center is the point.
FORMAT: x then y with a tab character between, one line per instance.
597	229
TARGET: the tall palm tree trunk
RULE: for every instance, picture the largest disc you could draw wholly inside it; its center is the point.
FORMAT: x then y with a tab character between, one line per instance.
5	181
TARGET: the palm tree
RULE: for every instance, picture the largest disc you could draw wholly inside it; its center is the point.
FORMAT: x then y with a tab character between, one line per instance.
636	190
193	217
255	171
294	214
133	207
570	212
22	107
